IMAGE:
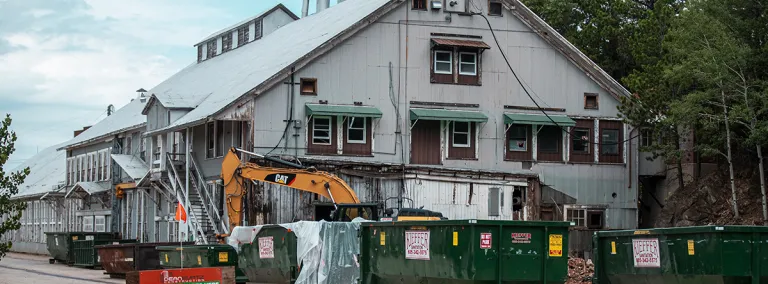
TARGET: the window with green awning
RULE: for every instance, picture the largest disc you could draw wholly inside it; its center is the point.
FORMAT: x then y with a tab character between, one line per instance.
447	115
535	119
343	110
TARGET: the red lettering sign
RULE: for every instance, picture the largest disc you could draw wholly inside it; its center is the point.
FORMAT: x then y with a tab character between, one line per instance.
485	240
417	245
646	252
208	275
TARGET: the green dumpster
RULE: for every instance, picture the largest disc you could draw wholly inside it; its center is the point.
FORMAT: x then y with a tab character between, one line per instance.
60	244
213	255
86	255
464	251
711	254
276	262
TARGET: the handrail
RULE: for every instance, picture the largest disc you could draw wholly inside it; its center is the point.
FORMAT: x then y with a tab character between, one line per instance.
210	200
191	213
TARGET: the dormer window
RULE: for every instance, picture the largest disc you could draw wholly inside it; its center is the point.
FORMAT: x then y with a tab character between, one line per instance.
226	42
242	35
211	45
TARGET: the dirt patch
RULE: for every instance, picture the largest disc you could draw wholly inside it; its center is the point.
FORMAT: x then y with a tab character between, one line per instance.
580	271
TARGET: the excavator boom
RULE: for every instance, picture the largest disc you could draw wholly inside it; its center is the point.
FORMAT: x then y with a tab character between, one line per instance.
235	174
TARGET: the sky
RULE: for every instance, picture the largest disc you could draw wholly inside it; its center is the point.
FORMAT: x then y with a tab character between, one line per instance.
63	62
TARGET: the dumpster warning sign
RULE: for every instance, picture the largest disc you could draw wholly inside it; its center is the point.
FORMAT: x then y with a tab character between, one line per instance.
266	247
646	252
521	238
556	245
485	240
417	245
691	250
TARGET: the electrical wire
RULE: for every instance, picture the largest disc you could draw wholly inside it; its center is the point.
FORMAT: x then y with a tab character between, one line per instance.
522	85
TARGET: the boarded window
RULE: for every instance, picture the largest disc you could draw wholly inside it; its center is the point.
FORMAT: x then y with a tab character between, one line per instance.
590	101
550	143
494	201
425	143
308	86
494	8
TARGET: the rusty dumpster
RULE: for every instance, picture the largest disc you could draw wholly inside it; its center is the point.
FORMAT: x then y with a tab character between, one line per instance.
117	260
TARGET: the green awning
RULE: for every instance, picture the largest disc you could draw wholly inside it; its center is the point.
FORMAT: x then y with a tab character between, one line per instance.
343	110
538	119
449	115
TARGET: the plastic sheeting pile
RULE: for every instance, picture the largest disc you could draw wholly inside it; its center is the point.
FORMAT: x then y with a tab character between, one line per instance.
327	250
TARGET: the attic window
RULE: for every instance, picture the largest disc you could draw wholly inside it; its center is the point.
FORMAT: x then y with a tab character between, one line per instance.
309	86
590	101
419	4
199	53
494	8
226	42
242	35
211	45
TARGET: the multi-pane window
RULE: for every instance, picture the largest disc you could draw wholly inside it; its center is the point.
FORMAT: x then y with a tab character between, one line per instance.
443	62
356	130
226	42
590	218
646	137
580	138
468	63
577	216
242	35
461	134
321	130
87	223
211	45
610	142
518	138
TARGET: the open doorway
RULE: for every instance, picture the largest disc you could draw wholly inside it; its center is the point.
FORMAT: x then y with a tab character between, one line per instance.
323	211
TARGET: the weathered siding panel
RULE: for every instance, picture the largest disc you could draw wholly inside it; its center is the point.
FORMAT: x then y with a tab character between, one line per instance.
275	21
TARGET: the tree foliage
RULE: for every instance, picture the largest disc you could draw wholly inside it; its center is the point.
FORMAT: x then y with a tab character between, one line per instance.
10	209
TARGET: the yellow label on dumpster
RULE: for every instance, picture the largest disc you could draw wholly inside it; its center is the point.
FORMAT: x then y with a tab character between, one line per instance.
455	239
166	258
74	238
556	245
691	250
199	260
613	247
383	240
223	256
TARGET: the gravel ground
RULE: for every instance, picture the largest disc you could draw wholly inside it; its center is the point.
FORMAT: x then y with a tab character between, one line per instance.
18	268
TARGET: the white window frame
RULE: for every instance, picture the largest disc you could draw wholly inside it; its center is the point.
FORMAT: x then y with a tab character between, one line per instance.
350	120
527	139
88	225
330	130
450	61
474	64
468	133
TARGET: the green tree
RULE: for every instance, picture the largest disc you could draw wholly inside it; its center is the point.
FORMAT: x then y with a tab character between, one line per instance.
10	209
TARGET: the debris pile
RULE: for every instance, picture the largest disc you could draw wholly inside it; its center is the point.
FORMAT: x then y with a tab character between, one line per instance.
580	271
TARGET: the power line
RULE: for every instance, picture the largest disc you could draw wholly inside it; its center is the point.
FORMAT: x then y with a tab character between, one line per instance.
522	85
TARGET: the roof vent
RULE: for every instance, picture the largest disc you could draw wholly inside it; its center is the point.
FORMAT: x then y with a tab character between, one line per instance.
142	95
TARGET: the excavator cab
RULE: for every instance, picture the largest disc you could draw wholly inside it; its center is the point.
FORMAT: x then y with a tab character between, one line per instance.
348	212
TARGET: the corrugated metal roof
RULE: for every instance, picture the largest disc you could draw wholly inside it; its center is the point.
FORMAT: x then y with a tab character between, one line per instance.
445	114
343	110
246	21
83	188
126	118
224	79
132	165
460	43
47	170
524	118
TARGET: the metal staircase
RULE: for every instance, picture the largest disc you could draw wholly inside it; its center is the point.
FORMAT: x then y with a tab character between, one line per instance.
203	214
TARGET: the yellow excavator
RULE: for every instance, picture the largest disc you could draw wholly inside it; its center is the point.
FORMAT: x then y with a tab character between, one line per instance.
235	173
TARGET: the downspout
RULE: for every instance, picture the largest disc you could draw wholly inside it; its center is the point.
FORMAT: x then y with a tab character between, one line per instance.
186	173
405	87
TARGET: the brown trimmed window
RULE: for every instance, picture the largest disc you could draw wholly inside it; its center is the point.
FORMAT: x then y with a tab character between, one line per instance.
419	4
226	42
309	86
550	144
611	146
581	142
322	135
199	53
461	140
519	143
242	35
211	45
442	66
357	136
494	8
456	66
590	101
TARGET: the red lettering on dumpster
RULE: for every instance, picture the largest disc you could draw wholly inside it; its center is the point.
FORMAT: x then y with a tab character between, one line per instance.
417	245
485	240
646	253
189	275
266	247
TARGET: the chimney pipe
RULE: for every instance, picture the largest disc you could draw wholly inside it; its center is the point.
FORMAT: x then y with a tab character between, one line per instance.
305	9
322	5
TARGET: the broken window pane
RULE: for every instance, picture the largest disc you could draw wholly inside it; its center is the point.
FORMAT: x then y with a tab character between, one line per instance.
518	138
321	130
580	140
